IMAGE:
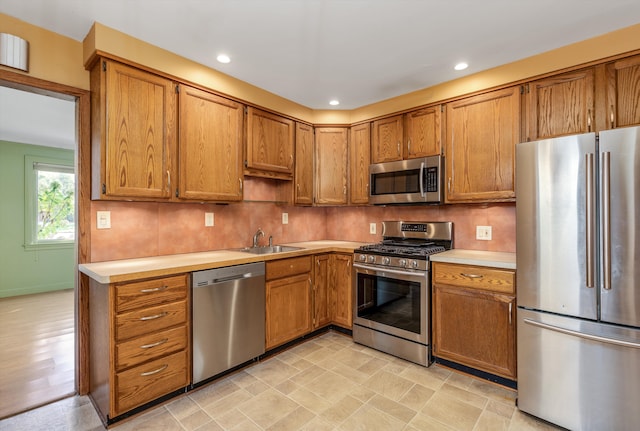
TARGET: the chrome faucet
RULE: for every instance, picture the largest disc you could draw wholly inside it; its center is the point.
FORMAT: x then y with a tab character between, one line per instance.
258	234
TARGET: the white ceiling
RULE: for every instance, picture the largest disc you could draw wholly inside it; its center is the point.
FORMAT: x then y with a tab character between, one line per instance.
358	51
34	119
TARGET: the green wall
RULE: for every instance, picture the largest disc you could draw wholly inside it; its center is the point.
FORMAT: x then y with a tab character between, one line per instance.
27	271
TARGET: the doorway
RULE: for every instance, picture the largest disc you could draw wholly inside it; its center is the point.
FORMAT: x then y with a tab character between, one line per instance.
59	314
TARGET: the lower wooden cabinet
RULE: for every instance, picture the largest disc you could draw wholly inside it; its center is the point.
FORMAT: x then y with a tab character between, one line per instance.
321	298
288	295
474	317
332	290
341	292
139	342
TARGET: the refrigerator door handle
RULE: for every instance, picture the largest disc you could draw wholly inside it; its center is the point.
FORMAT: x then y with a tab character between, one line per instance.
590	220
606	220
584	335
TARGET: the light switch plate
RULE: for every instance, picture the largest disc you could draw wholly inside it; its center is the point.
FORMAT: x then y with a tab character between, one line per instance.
483	233
285	218
372	228
209	219
103	219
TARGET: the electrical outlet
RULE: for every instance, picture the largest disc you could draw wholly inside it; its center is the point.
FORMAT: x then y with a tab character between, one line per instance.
104	219
285	218
209	219
483	233
372	228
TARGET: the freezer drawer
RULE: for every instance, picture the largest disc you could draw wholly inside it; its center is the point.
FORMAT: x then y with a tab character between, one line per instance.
577	374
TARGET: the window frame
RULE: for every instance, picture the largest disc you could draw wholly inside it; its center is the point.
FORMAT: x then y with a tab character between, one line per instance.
31	241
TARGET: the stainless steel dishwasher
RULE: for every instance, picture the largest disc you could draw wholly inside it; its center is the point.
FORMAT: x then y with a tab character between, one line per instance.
228	318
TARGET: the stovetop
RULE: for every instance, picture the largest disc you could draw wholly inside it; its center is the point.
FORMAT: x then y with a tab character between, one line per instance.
407	244
400	250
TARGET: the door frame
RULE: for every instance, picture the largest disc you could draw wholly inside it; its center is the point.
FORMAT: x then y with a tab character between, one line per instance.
82	99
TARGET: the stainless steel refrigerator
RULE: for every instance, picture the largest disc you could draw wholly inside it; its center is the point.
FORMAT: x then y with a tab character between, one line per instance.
578	279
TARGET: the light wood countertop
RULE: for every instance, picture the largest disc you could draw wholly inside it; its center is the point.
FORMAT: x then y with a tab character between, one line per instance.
158	266
494	259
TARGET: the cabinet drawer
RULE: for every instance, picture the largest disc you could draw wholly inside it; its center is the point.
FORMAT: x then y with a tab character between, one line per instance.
150	346
286	267
475	277
147	382
151	319
150	292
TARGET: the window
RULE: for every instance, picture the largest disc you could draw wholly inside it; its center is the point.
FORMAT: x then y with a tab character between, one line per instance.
49	202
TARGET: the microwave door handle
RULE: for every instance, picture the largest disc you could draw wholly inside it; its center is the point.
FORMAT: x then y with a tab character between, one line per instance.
421	179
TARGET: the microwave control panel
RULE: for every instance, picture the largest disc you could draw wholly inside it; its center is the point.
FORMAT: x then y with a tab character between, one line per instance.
431	179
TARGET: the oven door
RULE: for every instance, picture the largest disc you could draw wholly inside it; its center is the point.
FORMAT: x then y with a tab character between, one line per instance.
392	301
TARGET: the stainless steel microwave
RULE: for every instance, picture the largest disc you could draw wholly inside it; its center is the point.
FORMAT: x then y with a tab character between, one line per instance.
411	181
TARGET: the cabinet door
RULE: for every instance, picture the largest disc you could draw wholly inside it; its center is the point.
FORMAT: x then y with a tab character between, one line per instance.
139	145
341	290
561	105
304	165
270	144
359	161
423	133
475	328
482	132
321	287
288	314
331	166
210	146
386	140
623	92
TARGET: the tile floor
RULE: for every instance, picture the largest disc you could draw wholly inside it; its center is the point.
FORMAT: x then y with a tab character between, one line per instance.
327	383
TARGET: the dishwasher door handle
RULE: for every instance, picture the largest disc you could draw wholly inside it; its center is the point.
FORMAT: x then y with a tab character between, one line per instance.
231	278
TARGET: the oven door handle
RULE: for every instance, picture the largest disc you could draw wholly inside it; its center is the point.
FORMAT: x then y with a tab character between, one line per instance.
390	271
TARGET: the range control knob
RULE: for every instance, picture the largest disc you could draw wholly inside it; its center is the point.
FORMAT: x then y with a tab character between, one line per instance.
362	258
385	260
402	262
372	259
414	263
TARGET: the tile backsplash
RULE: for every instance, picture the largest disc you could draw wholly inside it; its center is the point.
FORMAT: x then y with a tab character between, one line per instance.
142	229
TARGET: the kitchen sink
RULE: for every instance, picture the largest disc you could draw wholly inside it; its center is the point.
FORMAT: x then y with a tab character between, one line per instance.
269	249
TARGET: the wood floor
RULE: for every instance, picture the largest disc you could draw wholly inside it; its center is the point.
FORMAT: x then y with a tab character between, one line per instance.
36	350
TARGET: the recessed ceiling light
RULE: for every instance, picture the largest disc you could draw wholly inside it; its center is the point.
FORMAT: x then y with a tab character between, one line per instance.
461	66
223	58
334	102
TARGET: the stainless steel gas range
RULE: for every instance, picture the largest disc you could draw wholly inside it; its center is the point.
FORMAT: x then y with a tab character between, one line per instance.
392	288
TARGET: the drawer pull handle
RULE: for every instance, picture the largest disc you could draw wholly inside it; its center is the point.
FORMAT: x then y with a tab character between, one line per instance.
148	346
155	316
464	274
150	373
155	289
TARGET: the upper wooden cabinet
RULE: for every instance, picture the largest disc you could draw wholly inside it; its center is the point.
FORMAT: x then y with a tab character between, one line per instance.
303	190
560	105
133	121
331	165
270	145
359	160
386	139
423	132
481	135
409	136
210	146
622	107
